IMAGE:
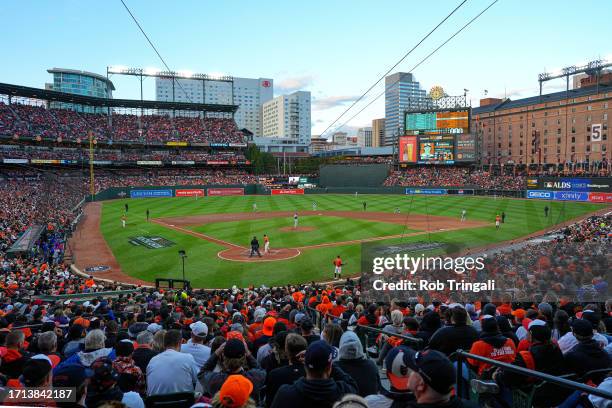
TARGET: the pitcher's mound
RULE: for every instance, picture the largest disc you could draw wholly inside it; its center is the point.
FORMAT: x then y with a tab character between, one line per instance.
242	254
298	229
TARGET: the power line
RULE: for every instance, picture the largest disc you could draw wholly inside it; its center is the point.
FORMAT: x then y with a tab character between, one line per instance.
154	48
395	65
421	62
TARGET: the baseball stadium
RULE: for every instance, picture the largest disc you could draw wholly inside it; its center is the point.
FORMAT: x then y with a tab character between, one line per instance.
159	253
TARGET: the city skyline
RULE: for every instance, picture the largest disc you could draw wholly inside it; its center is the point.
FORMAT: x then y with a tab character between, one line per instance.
326	55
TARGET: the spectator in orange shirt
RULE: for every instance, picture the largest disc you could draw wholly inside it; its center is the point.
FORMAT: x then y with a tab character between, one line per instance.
493	345
339	308
325	306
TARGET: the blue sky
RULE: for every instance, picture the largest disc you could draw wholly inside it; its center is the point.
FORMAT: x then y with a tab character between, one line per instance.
336	48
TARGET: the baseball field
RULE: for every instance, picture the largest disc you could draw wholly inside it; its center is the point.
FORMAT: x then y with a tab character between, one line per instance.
216	232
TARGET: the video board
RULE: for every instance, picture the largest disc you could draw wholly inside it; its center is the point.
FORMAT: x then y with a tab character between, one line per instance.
436	149
455	121
465	147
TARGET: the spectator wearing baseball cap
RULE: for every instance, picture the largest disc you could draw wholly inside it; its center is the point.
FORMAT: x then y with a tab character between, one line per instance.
432	380
234	393
323	385
587	355
569	340
267	332
195	345
306	327
396	363
171	371
235	359
131	377
73	376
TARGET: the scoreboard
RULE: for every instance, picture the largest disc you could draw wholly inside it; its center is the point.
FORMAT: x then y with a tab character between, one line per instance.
438	137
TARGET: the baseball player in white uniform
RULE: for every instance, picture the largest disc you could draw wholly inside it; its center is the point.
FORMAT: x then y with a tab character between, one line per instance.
463	213
295	220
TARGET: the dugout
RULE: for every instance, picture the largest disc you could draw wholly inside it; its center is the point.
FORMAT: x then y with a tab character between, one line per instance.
354	175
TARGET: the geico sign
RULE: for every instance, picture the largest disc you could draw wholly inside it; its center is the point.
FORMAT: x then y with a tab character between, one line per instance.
539	194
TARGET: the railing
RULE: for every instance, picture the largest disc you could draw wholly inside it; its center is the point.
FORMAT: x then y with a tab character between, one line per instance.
563	382
415	343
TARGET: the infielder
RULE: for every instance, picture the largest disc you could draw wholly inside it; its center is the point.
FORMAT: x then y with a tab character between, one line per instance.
254	207
463	213
314	206
337	267
295	220
123	220
266	244
497	221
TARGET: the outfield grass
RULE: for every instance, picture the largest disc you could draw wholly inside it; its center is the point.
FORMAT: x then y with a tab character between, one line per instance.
325	229
205	269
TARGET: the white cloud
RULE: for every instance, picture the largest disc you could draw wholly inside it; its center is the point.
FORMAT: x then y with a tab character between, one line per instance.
330	102
296	83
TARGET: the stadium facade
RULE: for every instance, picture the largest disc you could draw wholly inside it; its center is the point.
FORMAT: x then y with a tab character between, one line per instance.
568	126
248	93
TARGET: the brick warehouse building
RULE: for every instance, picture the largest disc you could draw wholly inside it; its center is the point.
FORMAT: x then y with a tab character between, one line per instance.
561	127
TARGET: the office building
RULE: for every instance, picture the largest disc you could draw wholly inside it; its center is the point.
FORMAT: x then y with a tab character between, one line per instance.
288	117
80	83
364	137
378	132
402	92
248	93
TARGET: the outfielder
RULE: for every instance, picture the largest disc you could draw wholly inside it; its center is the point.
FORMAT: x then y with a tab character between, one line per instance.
254	207
314	206
463	213
266	244
123	220
337	267
295	220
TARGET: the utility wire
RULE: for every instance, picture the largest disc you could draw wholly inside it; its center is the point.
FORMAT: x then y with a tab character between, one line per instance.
395	65
421	62
154	48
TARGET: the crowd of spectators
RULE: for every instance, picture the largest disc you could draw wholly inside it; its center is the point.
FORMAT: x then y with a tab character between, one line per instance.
128	155
30	122
453	177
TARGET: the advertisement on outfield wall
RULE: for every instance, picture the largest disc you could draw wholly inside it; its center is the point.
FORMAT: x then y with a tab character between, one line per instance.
149	162
600	197
571	196
15	161
541	194
194	192
183	162
427	191
599	184
287	191
225	191
150	193
408	149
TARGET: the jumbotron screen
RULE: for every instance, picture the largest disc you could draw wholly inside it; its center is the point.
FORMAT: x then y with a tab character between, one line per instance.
436	149
438	122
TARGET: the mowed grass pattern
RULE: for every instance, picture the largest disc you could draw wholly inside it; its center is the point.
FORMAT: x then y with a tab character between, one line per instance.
205	269
324	229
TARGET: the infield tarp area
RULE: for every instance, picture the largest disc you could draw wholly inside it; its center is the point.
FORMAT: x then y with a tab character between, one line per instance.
342	175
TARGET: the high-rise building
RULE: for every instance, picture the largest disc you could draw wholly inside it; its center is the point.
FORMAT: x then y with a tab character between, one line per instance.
288	117
248	93
378	132
401	93
81	83
364	137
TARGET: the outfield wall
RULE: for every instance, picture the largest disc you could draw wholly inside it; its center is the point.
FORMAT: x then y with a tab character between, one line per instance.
353	175
114	193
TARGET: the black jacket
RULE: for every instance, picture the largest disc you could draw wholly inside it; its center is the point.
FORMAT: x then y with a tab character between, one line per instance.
547	359
587	356
364	372
281	376
450	338
315	393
